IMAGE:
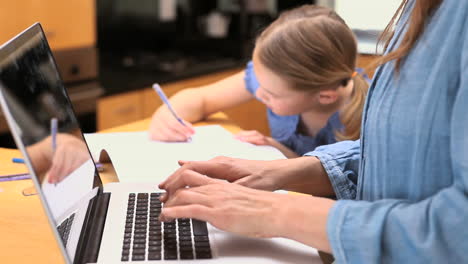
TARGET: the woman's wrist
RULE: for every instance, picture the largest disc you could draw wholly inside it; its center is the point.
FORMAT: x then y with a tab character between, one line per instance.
303	218
308	176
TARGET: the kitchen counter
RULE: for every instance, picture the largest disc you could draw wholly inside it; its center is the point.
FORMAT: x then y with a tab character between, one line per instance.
118	74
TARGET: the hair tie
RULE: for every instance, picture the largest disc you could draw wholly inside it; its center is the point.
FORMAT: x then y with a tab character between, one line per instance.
354	74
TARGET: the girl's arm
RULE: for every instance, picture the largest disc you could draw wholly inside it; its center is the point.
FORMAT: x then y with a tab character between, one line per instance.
194	104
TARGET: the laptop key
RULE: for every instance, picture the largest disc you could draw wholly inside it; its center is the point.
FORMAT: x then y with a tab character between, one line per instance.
199	228
170	255
185	238
138	251
186	255
170	246
185	243
184	233
154	256
204	255
139	241
201	238
202	244
154	248
202	249
154	243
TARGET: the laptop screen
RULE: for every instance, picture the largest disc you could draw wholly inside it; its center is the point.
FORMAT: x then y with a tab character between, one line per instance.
35	103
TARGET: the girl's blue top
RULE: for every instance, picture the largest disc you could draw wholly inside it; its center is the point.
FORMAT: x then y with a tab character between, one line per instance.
285	128
404	185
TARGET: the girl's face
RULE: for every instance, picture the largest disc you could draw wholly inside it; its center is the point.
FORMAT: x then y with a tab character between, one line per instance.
277	94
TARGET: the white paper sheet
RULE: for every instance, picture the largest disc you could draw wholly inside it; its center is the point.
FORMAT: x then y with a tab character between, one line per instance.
138	159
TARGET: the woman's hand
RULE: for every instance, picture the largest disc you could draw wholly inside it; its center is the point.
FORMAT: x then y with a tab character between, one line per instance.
248	212
165	127
304	174
264	175
227	206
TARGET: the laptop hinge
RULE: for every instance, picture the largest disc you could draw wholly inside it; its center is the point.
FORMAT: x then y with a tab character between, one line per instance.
87	250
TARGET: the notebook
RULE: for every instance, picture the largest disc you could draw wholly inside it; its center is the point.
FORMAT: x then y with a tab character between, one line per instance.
92	222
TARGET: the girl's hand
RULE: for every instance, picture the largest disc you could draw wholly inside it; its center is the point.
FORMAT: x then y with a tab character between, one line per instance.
255	137
165	127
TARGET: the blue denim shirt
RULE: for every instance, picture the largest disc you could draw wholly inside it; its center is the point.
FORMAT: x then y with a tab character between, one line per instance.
284	128
404	186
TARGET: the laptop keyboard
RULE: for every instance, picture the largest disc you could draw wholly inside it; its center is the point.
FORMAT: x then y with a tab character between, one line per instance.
147	238
65	227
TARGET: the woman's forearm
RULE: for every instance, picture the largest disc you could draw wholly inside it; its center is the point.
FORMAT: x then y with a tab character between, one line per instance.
307	175
304	219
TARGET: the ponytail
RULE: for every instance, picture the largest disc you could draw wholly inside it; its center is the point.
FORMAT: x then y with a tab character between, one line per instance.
351	114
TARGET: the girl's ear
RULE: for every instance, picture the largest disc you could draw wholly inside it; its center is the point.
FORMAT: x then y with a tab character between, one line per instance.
327	97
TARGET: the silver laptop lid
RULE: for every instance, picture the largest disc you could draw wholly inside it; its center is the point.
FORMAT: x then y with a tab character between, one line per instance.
35	102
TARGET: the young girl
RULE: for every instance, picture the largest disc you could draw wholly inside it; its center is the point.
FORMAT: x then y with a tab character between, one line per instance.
302	69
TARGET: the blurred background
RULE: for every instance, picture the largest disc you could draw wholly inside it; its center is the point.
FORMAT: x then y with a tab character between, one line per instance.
109	52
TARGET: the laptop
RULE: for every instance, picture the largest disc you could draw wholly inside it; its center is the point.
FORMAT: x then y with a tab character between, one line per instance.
92	222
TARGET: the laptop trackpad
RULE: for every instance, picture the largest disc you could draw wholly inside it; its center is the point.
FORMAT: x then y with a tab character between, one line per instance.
273	250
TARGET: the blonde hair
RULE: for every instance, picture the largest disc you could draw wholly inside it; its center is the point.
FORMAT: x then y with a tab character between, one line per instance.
313	49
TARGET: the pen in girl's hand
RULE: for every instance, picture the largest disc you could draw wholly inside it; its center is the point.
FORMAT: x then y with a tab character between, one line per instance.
163	97
165	100
53	135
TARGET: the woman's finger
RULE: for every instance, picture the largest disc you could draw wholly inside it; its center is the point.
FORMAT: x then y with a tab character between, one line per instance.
195	211
188	196
186	178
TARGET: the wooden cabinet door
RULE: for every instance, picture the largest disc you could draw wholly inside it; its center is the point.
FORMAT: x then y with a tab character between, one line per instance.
119	110
67	24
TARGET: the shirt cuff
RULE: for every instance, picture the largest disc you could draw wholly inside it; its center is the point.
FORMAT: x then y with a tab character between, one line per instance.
336	219
344	188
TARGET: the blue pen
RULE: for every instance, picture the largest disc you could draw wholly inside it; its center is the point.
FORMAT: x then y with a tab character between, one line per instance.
53	135
163	97
17	160
53	132
14	177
